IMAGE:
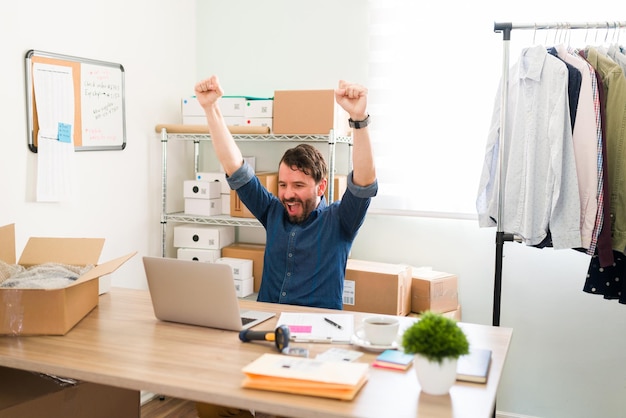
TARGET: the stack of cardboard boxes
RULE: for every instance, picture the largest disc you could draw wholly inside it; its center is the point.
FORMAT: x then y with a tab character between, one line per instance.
399	289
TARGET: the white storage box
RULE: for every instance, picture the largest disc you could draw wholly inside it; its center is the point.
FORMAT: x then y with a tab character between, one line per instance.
215	176
210	237
267	122
232	106
199	254
242	268
244	287
191	107
203	207
225	204
202	189
259	108
235	120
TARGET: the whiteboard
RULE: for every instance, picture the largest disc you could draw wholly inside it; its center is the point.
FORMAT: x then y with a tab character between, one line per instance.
91	91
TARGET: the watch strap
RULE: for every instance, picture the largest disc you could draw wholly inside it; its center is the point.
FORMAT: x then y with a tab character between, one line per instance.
358	124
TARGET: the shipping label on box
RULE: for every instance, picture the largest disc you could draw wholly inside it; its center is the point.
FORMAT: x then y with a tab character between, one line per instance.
433	291
201	189
210	237
198	254
377	287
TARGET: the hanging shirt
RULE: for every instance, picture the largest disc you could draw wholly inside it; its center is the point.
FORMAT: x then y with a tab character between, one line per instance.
540	191
615	88
304	264
587	145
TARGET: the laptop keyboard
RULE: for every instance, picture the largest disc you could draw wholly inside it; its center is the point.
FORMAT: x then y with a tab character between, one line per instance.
245	320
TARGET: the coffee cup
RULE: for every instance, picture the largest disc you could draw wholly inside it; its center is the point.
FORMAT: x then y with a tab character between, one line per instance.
380	330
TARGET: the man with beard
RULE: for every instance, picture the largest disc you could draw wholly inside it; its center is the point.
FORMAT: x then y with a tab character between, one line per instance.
307	240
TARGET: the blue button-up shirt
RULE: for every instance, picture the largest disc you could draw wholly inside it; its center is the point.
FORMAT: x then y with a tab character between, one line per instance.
304	264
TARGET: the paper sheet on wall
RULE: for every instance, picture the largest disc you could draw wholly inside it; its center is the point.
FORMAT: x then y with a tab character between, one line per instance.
54	95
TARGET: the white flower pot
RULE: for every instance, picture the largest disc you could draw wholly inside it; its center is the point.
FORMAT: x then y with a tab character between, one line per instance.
435	378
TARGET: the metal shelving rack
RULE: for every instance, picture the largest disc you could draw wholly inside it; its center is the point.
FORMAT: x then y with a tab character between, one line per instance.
331	139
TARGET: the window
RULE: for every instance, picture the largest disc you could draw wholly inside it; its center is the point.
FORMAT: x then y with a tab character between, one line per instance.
430	112
433	77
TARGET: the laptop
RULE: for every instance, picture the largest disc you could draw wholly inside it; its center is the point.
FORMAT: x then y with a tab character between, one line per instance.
197	293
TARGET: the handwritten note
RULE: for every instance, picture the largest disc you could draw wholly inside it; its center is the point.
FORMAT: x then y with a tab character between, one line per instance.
102	105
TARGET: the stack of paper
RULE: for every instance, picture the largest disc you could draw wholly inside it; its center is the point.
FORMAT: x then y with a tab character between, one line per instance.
305	376
393	359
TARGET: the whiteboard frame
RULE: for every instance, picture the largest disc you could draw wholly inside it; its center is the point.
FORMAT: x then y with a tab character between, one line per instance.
31	134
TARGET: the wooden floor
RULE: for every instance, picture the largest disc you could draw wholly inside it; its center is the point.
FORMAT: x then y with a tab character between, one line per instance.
168	408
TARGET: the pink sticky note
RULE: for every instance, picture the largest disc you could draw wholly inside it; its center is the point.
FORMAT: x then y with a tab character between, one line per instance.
300	328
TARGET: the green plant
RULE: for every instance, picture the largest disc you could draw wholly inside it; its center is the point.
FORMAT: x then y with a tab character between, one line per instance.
435	337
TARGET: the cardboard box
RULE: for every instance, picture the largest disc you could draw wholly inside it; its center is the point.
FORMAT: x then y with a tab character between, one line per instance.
28	394
203	207
455	314
210	237
254	252
376	287
238	209
433	291
52	311
242	267
308	112
198	254
198	189
340	183
244	287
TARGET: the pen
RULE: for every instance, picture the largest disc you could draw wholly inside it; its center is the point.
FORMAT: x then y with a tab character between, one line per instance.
333	323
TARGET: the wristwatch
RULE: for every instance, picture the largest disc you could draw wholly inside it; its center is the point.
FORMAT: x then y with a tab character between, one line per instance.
358	124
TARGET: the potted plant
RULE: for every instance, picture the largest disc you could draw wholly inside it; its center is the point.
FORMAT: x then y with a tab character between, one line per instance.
437	342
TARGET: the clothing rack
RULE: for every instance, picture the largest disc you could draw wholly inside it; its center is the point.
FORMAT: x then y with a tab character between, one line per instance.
505	28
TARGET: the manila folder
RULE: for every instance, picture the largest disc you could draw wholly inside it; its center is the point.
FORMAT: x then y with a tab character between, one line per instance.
305	376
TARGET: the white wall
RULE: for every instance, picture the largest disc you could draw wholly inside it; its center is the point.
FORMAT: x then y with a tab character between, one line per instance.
567	345
566	358
118	192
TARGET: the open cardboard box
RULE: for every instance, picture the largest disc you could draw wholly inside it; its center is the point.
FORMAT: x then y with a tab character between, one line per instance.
52	311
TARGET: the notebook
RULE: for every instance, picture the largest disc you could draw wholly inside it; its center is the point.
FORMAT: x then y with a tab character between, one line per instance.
197	293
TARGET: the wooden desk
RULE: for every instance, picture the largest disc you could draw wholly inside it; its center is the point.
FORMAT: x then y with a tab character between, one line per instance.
120	343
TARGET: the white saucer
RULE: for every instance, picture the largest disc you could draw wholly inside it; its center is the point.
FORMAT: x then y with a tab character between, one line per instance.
358	339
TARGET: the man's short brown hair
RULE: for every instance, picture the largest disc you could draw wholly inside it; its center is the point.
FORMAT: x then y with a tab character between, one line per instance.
307	159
